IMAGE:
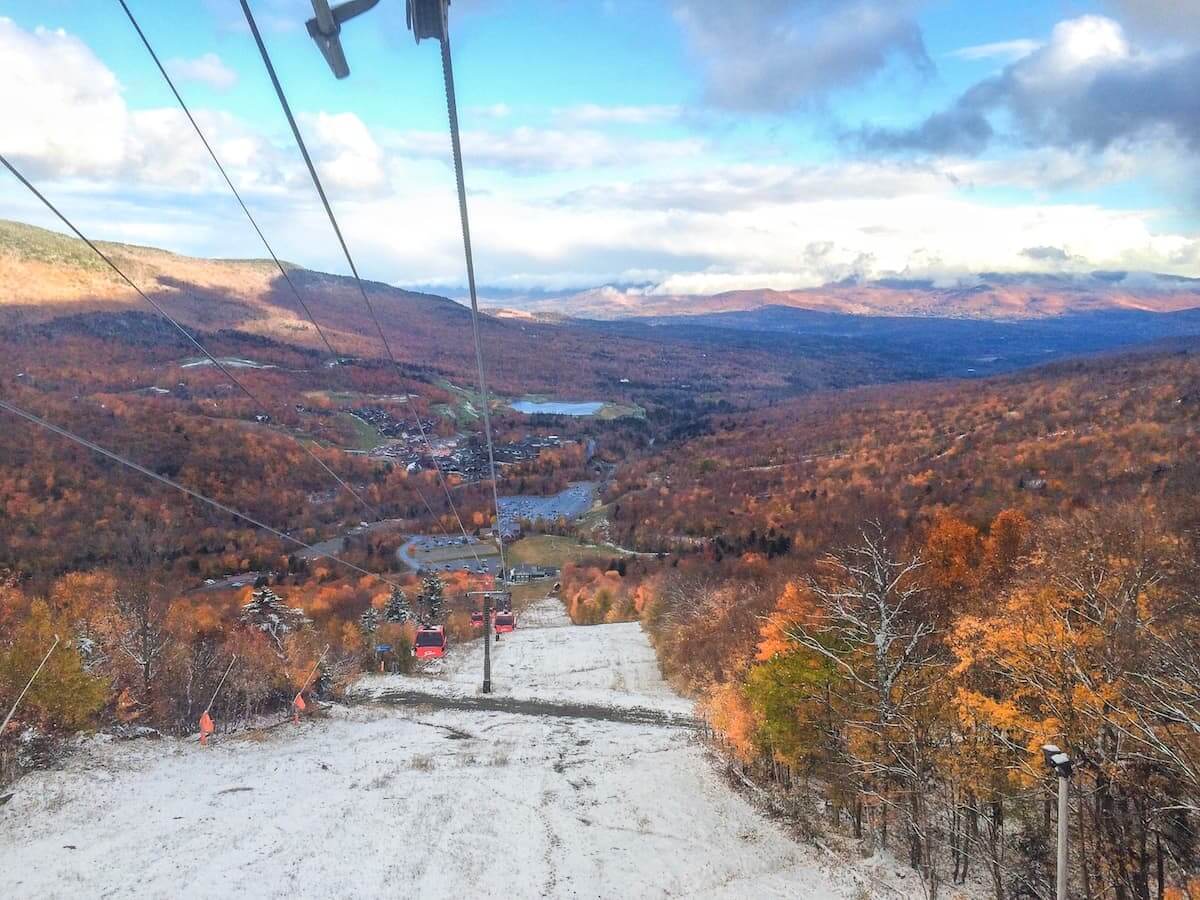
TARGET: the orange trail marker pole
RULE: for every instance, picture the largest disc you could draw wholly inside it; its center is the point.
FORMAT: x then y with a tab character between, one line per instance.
298	704
206	722
29	684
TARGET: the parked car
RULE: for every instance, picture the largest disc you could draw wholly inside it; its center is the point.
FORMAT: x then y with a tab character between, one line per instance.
430	642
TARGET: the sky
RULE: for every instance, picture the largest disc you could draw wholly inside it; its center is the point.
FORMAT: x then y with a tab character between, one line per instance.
683	146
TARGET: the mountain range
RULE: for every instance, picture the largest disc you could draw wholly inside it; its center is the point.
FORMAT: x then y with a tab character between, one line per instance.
997	296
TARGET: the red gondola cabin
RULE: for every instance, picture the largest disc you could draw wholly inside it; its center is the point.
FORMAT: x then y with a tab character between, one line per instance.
505	622
430	643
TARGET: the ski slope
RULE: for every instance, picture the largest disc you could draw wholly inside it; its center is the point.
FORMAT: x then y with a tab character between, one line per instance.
376	800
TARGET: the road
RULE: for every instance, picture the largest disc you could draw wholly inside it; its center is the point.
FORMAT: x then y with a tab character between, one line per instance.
422	795
312	552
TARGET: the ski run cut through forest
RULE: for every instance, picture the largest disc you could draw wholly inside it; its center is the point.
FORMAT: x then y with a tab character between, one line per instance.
376	798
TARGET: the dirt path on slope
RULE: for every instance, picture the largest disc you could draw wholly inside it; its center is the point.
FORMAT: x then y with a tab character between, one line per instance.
629	715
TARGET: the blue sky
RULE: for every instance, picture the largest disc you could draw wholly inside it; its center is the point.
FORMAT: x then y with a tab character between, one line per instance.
694	145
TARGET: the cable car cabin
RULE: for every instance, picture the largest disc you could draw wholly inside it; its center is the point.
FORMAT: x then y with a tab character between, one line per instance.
430	643
505	622
476	619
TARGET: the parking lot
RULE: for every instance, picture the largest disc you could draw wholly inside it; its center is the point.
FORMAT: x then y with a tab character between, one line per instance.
438	553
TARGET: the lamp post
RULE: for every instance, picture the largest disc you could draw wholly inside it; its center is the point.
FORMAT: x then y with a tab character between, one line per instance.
1060	763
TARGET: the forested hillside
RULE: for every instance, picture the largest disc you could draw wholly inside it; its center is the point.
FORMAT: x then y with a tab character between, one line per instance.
1069	436
46	277
892	597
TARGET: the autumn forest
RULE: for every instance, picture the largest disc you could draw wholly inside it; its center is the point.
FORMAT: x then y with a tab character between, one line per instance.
885	594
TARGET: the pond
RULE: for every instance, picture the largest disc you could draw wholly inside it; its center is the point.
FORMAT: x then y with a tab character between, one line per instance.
557	407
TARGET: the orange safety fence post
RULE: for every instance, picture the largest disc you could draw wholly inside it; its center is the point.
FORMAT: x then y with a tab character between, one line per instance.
206	727
206	723
298	704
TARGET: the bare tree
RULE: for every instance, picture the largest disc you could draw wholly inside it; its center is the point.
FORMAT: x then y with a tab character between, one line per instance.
869	626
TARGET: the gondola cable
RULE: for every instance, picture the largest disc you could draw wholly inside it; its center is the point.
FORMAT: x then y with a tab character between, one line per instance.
456	148
316	180
194	494
263	408
262	237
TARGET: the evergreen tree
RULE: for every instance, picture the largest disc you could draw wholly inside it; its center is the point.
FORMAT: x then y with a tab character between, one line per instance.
266	612
433	593
397	608
369	621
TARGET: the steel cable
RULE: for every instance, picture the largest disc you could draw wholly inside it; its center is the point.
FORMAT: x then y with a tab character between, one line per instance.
254	224
183	331
163	479
316	180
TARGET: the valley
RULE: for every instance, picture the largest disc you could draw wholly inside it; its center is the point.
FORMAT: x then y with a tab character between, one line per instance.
676	494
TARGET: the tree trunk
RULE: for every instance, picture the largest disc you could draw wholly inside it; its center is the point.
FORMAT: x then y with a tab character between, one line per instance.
1083	856
995	830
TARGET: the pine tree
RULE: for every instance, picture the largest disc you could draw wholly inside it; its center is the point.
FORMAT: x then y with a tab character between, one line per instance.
397	608
369	621
266	612
432	593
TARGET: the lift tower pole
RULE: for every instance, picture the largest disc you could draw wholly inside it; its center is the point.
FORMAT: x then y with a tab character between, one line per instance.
431	19
426	19
487	642
487	633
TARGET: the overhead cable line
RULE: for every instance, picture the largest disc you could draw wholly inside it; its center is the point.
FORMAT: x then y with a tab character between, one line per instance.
456	148
196	495
253	222
183	331
237	195
316	180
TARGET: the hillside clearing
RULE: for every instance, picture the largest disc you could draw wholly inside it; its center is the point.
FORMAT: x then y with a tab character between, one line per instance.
553	550
372	800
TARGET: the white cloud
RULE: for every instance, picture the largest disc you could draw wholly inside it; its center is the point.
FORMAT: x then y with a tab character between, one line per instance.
206	69
1087	87
1077	49
491	111
348	155
1174	20
533	151
54	90
593	114
684	220
68	119
1006	51
778	55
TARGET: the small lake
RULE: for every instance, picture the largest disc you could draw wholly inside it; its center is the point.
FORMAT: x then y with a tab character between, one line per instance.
557	407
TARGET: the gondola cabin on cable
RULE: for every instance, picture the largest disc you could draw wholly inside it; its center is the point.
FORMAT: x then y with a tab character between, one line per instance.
477	619
505	622
430	642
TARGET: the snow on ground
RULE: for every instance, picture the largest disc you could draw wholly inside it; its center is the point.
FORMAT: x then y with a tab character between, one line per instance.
374	801
549	659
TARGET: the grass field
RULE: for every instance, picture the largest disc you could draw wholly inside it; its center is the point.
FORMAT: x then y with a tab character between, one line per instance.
466	405
552	550
366	436
355	397
620	411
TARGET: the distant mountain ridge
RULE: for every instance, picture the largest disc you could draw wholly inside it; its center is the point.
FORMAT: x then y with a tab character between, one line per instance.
990	295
